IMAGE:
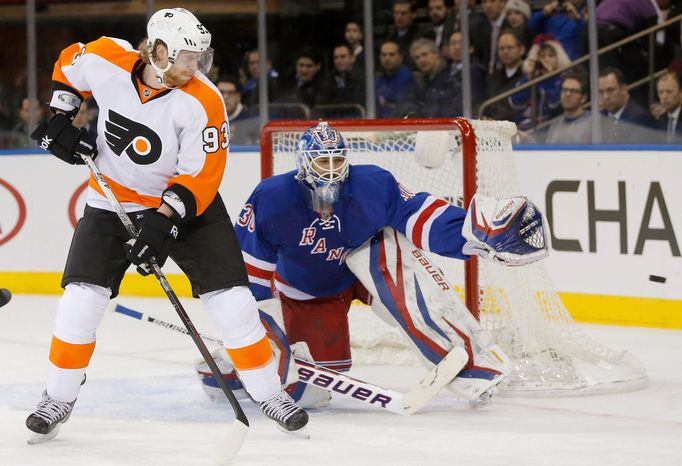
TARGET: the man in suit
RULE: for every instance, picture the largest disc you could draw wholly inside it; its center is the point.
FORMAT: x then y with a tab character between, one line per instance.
670	98
478	74
623	119
344	84
479	29
511	52
405	30
438	12
493	9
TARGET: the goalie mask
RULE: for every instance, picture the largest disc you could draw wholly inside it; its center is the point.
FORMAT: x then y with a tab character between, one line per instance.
322	165
187	40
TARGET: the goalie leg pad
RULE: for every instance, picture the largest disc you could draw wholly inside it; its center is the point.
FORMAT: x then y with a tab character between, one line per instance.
306	396
409	289
210	385
235	314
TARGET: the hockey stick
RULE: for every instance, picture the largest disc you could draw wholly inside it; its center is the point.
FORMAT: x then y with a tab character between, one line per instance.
235	438
350	387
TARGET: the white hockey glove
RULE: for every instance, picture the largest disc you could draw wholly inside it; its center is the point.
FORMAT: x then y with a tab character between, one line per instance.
510	231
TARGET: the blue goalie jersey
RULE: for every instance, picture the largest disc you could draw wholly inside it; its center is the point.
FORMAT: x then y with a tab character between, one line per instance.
281	235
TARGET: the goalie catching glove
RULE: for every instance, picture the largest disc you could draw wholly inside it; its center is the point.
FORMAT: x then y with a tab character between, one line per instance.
510	231
64	140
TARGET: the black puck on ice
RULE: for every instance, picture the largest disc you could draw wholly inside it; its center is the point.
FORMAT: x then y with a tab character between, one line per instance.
5	296
657	279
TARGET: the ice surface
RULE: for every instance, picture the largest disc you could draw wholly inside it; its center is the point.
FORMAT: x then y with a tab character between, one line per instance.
143	404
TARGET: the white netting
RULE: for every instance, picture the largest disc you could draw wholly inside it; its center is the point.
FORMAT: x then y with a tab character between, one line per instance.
518	305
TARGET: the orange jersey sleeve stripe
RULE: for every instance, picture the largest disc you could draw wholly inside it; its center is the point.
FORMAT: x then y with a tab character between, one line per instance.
66	58
113	53
124	194
253	356
70	355
205	184
103	47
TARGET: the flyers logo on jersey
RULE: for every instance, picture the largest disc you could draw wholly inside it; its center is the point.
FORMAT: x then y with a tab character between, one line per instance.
139	142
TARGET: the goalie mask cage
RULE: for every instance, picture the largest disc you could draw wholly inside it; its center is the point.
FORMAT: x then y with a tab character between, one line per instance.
453	159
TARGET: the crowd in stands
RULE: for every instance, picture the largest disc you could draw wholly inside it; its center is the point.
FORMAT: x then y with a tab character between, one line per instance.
419	72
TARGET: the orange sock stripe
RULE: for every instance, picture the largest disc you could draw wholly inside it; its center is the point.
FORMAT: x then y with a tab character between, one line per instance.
69	355
253	356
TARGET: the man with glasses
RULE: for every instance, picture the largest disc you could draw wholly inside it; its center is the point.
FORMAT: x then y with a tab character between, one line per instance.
575	124
244	123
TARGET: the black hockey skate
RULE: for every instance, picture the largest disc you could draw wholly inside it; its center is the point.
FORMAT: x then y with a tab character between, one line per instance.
290	418
47	417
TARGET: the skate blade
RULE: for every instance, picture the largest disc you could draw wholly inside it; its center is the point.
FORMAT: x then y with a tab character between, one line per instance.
300	433
36	438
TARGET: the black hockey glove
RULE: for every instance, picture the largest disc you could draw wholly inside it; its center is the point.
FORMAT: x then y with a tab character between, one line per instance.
64	140
154	241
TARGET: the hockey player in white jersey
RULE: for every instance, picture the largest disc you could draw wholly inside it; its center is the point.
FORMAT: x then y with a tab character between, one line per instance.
329	231
162	147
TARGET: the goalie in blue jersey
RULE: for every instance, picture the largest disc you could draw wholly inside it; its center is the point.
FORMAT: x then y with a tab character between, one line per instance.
330	232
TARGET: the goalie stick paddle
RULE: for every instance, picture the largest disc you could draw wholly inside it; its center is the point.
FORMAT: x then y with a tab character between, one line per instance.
235	438
350	387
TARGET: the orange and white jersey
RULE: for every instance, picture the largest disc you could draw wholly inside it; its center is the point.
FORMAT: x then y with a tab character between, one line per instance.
148	139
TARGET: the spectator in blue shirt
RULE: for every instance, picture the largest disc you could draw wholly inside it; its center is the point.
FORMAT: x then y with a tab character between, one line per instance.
564	21
395	89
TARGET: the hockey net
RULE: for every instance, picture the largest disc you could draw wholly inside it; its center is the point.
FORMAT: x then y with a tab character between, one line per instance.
453	159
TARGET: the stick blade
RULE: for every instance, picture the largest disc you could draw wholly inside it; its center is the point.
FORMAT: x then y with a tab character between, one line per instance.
441	375
230	445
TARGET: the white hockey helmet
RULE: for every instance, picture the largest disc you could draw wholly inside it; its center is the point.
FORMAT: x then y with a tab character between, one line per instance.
179	30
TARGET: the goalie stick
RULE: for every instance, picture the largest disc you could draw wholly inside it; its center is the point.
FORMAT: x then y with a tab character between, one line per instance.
350	387
233	441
